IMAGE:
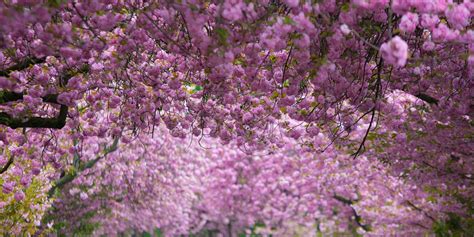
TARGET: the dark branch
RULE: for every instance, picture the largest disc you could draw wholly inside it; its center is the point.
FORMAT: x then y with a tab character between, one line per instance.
357	217
7	165
71	176
358	220
64	78
372	117
343	200
420	210
426	98
35	122
9	96
22	65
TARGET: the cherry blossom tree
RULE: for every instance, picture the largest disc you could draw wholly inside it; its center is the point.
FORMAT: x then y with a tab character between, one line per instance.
378	86
194	189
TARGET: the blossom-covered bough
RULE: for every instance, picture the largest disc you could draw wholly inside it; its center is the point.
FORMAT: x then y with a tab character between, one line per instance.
381	85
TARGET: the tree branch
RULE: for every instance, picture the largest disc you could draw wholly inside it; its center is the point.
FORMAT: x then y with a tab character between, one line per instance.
372	117
35	122
64	78
358	220
9	96
7	165
71	176
426	98
107	150
22	65
343	200
420	210
357	217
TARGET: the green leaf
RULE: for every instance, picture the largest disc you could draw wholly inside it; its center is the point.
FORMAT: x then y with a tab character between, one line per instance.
345	7
146	234
371	136
198	88
159	233
273	58
222	35
274	95
287	20
56	3
240	61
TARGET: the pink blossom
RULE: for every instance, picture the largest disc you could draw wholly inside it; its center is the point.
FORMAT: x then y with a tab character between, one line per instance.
25	180
395	51
5	83
3	160
247	117
409	22
292	3
19	196
345	29
428	46
84	196
8	187
444	33
429	21
458	16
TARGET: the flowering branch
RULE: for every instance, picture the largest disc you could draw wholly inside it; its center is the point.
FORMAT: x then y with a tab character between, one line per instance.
22	65
7	165
71	176
37	122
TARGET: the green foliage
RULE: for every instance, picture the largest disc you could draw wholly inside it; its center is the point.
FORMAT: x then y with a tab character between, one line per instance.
454	226
156	233
287	20
55	3
86	227
21	214
222	35
253	232
345	7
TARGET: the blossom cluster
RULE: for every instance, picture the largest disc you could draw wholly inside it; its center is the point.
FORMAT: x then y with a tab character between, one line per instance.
386	86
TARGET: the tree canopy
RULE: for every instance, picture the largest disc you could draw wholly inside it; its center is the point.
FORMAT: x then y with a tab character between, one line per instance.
237	117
